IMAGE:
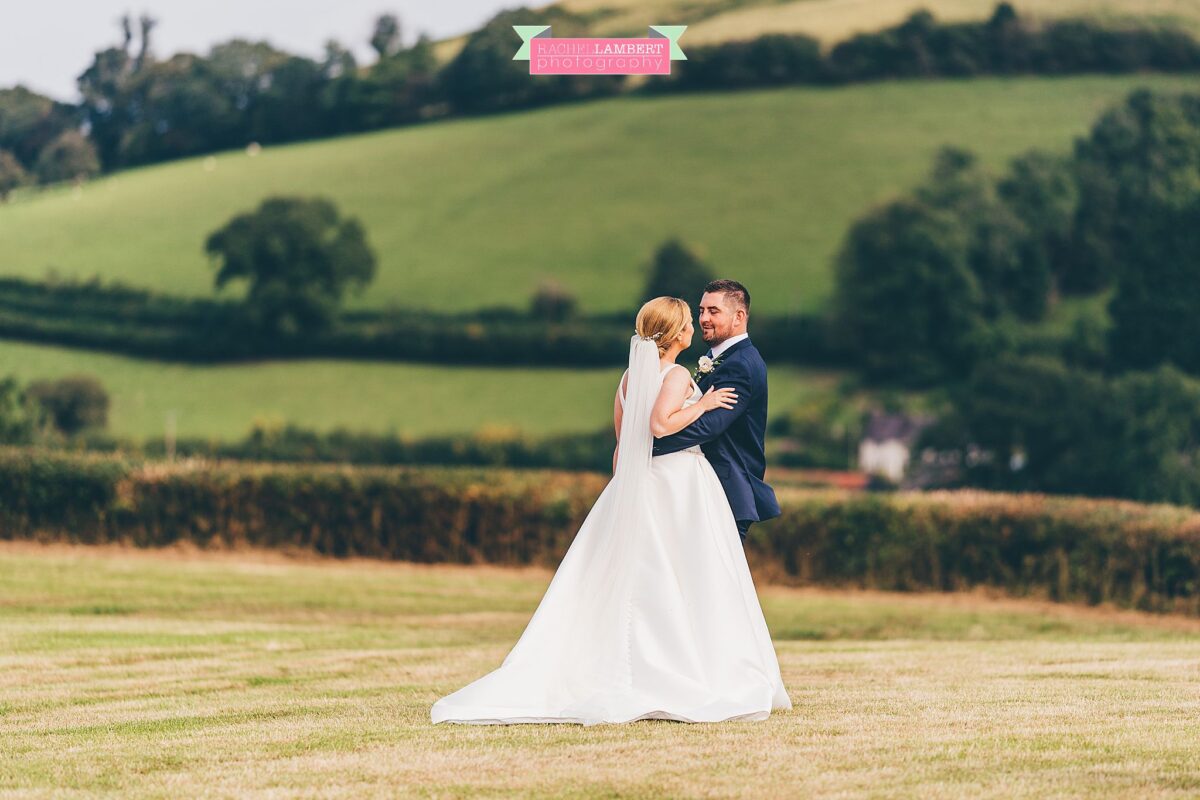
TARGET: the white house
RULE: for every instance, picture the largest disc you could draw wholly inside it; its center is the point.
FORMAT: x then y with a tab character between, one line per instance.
887	443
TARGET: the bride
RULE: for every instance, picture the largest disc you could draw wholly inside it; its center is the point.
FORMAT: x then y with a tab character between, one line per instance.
652	613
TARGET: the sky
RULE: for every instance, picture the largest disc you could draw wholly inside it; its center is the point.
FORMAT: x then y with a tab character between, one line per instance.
46	44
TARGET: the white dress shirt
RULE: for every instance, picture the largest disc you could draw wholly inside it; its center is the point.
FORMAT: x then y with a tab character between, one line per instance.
728	343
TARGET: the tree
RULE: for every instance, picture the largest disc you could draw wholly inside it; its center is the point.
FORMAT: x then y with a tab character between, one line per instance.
298	256
147	24
385	40
109	103
676	271
29	121
1001	250
1140	159
20	416
1077	432
180	111
907	303
1139	201
340	89
483	76
69	157
74	404
1154	309
273	96
400	87
243	71
12	175
1041	190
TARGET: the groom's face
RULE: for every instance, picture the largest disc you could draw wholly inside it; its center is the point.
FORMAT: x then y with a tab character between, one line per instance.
717	318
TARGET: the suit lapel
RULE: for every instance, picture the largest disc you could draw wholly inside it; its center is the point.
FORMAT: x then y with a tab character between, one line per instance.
707	380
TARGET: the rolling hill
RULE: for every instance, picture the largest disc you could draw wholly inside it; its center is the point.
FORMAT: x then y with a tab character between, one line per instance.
476	212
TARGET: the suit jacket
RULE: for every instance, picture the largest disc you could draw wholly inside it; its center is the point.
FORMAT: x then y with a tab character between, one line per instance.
732	438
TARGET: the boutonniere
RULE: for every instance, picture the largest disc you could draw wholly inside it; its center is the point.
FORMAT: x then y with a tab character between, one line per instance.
704	366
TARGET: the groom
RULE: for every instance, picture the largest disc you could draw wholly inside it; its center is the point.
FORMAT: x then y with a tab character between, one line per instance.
732	439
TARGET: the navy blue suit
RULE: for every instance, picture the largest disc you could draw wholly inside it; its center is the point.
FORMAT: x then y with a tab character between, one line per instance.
732	438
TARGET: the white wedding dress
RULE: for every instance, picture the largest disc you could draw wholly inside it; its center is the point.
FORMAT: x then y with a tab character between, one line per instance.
652	613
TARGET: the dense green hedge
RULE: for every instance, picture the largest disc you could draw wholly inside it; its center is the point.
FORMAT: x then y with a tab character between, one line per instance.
410	514
1067	549
134	322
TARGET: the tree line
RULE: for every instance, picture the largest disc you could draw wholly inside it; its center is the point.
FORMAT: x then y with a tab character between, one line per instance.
137	108
940	287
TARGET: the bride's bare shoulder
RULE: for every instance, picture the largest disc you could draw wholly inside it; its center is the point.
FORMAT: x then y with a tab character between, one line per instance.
676	377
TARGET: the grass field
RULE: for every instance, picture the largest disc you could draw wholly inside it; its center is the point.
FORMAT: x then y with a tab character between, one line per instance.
477	212
137	674
832	21
414	399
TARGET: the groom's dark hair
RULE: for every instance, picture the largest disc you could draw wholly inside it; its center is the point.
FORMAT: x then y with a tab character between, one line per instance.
732	290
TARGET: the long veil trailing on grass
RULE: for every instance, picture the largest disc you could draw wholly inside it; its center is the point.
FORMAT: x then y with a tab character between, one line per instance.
652	613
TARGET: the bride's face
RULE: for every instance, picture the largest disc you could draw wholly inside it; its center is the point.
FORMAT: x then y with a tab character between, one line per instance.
685	336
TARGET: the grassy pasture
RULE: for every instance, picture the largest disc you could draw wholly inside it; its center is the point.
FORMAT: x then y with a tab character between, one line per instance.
176	673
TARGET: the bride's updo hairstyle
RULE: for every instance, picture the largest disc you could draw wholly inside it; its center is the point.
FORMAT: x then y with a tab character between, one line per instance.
663	319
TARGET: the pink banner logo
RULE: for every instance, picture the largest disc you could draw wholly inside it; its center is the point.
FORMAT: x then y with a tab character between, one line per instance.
651	55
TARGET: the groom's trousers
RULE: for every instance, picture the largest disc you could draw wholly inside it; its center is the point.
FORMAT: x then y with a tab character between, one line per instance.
743	525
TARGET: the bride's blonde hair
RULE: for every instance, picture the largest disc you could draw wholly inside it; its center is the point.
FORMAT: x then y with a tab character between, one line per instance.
663	319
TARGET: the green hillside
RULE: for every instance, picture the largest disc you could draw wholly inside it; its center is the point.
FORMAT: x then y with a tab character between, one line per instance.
477	212
223	402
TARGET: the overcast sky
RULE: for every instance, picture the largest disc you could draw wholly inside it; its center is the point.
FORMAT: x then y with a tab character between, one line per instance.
45	44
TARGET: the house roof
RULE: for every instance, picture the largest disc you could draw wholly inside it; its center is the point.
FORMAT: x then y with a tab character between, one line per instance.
883	427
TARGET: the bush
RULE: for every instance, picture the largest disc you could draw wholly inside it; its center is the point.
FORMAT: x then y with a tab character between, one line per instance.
20	417
12	175
553	303
70	157
1090	551
73	404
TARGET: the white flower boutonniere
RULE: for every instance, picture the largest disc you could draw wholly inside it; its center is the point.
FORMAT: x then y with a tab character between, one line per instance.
704	366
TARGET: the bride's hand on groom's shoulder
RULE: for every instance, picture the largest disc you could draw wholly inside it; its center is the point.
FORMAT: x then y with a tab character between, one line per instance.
716	398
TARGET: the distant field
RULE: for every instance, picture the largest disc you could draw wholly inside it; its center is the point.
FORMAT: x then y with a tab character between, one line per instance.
832	21
477	212
835	20
175	674
413	399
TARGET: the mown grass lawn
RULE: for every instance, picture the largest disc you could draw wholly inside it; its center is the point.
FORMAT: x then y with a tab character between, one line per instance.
170	674
477	212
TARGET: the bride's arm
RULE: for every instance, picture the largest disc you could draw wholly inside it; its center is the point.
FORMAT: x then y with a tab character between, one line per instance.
669	417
